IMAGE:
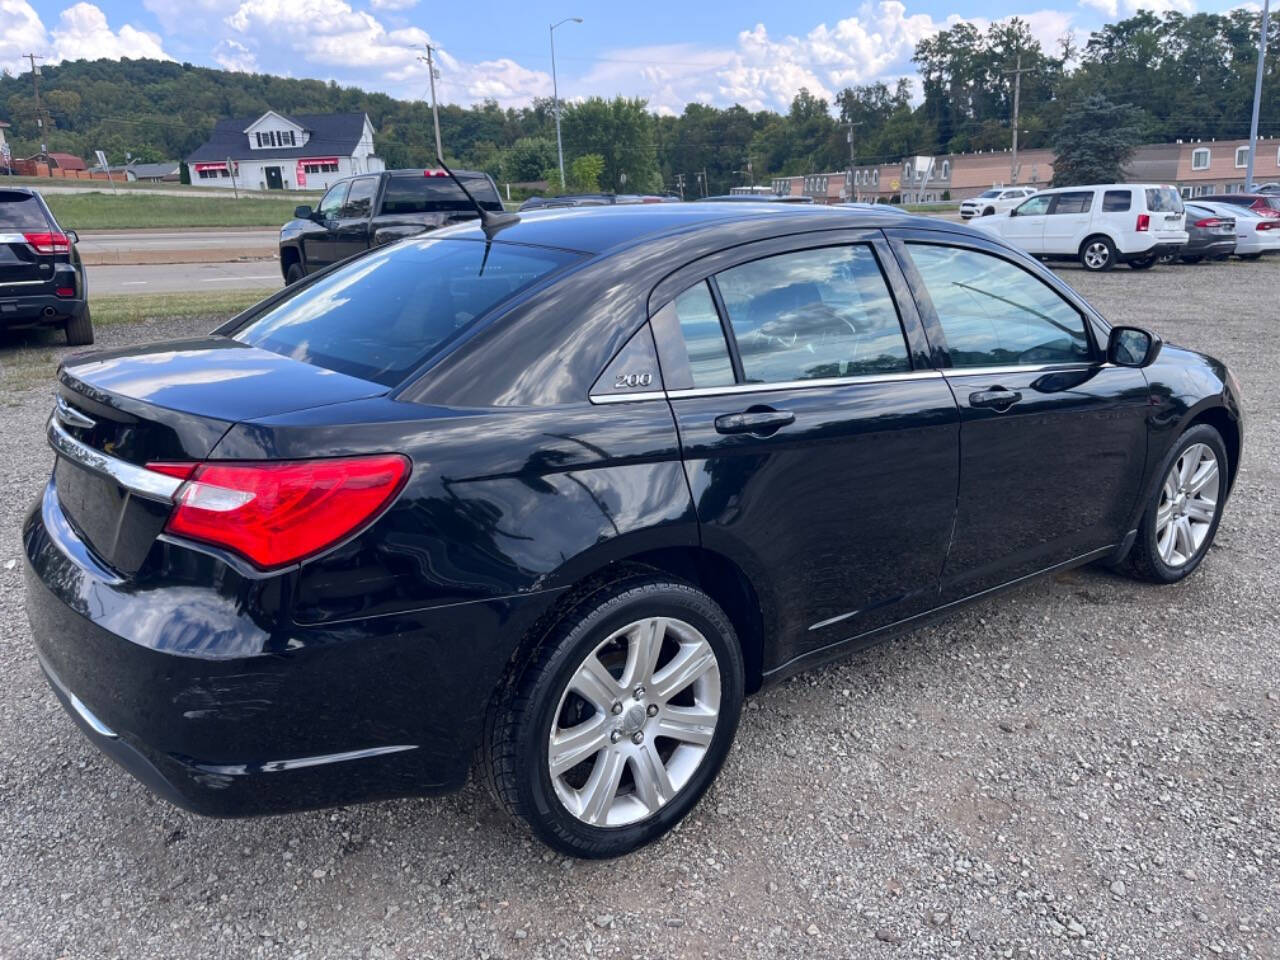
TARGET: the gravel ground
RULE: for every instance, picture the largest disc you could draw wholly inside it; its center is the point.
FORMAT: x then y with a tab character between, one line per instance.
1087	767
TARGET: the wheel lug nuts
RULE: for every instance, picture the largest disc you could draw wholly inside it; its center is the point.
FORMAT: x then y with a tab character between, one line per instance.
615	736
638	692
652	710
617	709
637	737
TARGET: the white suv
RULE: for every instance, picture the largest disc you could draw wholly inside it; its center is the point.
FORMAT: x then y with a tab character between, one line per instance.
993	201
1102	225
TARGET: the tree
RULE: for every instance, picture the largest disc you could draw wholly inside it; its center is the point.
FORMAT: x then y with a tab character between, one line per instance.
1095	139
620	132
527	158
584	173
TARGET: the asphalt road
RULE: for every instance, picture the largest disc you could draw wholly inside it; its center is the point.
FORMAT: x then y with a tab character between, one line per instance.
222	241
184	277
1085	767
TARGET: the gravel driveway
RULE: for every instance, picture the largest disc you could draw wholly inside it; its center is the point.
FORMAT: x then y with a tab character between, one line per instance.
1085	767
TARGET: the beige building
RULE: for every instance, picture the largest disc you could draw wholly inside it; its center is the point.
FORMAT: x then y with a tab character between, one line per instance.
1197	168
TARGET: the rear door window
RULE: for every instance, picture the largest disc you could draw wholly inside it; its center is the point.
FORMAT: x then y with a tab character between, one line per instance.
813	314
1116	201
437	195
703	337
1077	201
994	313
21	211
384	314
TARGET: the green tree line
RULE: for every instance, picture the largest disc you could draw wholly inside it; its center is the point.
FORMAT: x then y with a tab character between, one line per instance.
1186	77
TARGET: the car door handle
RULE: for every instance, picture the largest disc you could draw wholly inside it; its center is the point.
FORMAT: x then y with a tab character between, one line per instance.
761	422
997	398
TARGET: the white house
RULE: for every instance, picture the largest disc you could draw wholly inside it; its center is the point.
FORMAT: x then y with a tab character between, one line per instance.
305	151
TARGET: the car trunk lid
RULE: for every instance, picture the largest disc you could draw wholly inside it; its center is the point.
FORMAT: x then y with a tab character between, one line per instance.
119	410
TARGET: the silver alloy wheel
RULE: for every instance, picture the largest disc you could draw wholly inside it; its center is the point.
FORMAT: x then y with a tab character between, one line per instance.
652	717
1096	255
1188	504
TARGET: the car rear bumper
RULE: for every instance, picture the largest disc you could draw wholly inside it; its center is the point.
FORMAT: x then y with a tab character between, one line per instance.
31	310
336	714
1158	249
1216	247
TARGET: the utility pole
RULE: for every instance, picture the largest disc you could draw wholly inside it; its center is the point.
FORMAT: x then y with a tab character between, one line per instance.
435	111
852	161
1017	72
680	184
35	82
555	93
1257	93
705	188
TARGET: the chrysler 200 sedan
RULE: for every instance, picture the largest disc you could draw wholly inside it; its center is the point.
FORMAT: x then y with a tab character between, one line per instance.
561	493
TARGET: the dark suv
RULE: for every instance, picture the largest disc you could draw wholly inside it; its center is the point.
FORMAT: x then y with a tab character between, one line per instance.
371	210
41	277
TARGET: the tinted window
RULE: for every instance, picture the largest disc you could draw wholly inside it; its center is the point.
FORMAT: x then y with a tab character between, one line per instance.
1034	207
990	193
704	338
21	211
1078	201
1116	201
380	316
333	200
360	199
817	313
436	195
994	313
1163	200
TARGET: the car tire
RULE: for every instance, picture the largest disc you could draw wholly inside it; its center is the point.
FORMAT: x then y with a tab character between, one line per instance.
1191	259
1165	551
1250	256
570	808
989	212
1143	263
293	274
1097	254
79	329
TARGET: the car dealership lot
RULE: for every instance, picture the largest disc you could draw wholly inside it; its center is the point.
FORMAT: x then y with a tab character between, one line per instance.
1086	767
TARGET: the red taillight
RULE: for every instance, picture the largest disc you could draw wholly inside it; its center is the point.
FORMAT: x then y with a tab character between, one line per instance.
276	513
66	291
1268	225
1144	222
48	242
1209	222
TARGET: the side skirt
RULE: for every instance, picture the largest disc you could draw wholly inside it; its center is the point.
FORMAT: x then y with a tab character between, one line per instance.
850	645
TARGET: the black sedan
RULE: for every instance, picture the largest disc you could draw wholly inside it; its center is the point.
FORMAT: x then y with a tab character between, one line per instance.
42	280
566	490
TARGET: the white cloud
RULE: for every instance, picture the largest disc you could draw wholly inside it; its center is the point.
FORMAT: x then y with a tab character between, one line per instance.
233	55
82	33
392	4
1112	9
190	17
23	33
328	32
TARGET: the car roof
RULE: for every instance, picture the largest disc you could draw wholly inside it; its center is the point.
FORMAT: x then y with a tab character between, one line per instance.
596	230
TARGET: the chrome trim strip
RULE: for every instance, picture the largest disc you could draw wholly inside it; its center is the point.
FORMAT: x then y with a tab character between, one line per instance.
71	416
21	283
1020	368
301	763
803	384
137	480
830	620
626	397
87	715
12	238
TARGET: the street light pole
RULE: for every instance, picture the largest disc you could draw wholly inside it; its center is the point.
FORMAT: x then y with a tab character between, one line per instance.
435	112
1257	93
555	92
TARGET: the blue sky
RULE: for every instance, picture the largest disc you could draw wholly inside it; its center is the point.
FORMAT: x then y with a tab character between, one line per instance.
754	53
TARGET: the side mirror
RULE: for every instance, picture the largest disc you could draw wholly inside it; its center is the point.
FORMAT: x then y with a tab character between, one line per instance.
302	212
72	236
1133	347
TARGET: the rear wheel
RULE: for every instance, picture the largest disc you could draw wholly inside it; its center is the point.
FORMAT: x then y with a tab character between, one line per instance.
1097	254
79	329
1145	263
1192	259
622	720
1182	518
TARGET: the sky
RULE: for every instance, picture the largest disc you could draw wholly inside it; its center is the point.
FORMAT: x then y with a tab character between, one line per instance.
716	52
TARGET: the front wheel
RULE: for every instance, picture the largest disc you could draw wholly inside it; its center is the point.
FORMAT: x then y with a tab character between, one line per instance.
1097	254
1182	518
293	274
1250	256
622	720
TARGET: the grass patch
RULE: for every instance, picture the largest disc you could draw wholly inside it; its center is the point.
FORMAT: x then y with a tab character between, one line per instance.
215	307
102	211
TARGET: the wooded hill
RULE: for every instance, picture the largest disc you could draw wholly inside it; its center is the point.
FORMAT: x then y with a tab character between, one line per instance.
1189	77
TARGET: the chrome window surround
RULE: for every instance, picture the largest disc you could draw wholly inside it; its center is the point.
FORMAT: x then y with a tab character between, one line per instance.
137	480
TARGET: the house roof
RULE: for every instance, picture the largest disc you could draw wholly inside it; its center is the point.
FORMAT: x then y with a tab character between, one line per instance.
167	169
67	161
332	134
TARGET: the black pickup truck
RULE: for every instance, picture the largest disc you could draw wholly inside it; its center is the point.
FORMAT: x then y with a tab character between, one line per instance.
377	208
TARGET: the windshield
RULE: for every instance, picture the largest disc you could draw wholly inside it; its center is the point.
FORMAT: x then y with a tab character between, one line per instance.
382	315
1163	200
990	193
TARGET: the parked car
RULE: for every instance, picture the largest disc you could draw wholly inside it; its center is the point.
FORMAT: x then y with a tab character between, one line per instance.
1210	234
367	211
1255	234
563	490
1098	225
42	279
569	200
1265	204
993	201
753	198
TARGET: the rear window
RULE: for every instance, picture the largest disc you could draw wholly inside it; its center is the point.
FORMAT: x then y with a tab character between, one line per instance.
1163	200
21	211
1272	202
384	314
1116	201
437	195
990	194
